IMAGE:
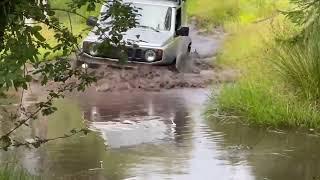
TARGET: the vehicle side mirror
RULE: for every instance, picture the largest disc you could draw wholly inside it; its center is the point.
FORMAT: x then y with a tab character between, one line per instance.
92	21
183	31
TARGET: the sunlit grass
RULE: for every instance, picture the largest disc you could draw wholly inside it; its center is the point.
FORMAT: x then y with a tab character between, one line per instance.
12	173
214	13
260	104
299	65
75	23
210	12
261	96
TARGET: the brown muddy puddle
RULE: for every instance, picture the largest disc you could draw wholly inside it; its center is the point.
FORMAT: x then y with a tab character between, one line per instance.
163	135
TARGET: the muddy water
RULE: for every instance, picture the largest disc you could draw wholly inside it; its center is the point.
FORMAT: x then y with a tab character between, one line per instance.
163	135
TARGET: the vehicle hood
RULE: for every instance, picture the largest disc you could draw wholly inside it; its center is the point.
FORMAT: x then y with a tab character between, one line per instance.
140	36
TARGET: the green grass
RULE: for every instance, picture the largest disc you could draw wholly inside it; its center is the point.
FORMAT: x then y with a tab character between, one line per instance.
77	25
299	66
11	173
275	80
258	104
215	13
208	12
261	96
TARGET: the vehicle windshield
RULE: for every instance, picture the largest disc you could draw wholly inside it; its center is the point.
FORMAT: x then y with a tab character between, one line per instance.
154	17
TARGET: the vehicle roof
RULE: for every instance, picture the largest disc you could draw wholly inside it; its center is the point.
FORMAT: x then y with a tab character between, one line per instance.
169	3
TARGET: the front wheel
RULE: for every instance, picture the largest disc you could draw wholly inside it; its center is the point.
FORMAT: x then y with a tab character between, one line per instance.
189	48
76	63
184	63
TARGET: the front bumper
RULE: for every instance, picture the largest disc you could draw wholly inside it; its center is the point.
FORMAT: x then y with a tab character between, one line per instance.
87	58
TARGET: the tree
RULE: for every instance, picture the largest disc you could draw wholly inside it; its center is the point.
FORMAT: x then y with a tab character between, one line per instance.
25	52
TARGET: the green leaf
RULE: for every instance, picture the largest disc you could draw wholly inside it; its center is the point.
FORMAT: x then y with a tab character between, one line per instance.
36	28
28	78
39	36
46	54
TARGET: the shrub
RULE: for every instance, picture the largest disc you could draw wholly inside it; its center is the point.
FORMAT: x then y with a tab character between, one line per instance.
298	63
258	104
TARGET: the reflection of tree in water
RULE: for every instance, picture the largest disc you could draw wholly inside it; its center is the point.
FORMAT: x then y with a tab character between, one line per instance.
271	155
72	158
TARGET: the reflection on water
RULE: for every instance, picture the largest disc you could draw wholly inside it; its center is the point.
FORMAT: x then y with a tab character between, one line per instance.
162	135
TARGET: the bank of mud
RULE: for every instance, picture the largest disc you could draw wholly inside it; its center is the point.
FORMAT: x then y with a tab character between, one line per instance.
198	70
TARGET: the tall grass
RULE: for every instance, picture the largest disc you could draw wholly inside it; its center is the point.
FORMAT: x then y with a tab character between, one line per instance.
265	93
215	13
78	23
261	96
261	105
12	173
209	12
75	23
298	64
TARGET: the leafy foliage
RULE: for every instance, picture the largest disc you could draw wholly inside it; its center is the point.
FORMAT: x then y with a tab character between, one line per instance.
21	40
305	12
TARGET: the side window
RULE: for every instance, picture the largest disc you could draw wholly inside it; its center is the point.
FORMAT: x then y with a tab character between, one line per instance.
178	19
167	22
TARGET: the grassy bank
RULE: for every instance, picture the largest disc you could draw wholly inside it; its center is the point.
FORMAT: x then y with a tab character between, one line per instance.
78	24
215	13
75	23
11	173
275	81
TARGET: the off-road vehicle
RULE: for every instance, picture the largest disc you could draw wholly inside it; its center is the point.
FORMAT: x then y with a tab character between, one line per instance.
161	36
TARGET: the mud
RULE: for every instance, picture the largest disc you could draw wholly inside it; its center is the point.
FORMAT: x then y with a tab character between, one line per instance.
197	70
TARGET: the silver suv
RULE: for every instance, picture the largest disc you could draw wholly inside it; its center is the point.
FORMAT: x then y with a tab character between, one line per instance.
162	36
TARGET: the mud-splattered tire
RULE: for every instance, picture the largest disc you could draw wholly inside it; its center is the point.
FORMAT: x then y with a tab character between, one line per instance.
179	59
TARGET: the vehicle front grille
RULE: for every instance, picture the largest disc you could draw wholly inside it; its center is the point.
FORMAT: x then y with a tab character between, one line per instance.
135	54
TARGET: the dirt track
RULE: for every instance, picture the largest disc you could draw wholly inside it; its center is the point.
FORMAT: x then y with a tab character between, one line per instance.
198	70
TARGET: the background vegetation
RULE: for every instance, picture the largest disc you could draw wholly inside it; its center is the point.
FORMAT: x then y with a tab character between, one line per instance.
215	13
14	173
278	63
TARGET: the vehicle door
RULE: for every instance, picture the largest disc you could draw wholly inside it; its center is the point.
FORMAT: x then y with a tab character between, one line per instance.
173	46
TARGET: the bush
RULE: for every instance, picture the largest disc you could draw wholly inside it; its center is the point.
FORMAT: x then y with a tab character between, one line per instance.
258	104
261	96
298	63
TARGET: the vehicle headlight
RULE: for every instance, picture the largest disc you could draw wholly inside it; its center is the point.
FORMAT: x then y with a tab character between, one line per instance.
93	50
150	55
